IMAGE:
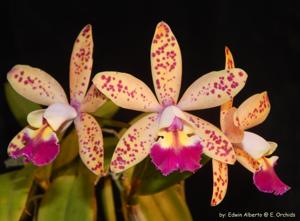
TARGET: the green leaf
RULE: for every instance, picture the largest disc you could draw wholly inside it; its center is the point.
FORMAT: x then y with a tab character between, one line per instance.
14	191
69	198
19	106
69	148
112	123
164	206
109	147
42	176
108	200
147	179
108	110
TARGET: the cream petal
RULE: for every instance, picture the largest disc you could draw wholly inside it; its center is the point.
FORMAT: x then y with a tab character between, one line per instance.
168	115
166	64
253	111
57	114
232	132
213	89
224	109
36	85
255	145
135	144
35	118
93	100
90	143
220	181
215	144
229	64
126	91
17	143
273	147
81	64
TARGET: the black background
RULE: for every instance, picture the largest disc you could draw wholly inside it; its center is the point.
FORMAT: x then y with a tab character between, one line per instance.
264	38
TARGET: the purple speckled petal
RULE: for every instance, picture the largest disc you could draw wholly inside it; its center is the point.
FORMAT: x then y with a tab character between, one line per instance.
41	149
266	180
172	159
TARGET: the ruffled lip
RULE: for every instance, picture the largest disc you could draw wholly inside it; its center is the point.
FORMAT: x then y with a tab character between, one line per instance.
37	150
172	159
266	180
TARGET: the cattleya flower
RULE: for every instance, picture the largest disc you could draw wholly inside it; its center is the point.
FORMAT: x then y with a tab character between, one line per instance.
251	150
38	142
174	139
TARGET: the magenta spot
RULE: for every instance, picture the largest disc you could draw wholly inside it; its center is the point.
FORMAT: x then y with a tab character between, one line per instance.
157	84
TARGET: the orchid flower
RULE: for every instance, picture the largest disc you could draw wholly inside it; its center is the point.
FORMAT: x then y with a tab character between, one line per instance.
251	150
38	141
174	139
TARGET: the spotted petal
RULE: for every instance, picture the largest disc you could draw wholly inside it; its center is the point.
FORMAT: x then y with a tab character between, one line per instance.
215	144
36	85
92	100
126	91
266	180
90	143
135	144
213	89
39	146
246	160
253	111
166	64
229	62
81	64
220	181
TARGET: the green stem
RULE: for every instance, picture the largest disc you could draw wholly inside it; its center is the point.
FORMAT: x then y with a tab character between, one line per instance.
111	131
123	189
112	123
119	185
108	201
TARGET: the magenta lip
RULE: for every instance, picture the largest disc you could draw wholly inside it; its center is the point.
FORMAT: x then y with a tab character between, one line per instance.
267	181
173	159
38	151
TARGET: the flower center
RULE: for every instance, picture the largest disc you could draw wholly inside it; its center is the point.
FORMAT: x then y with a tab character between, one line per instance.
177	135
58	114
177	148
